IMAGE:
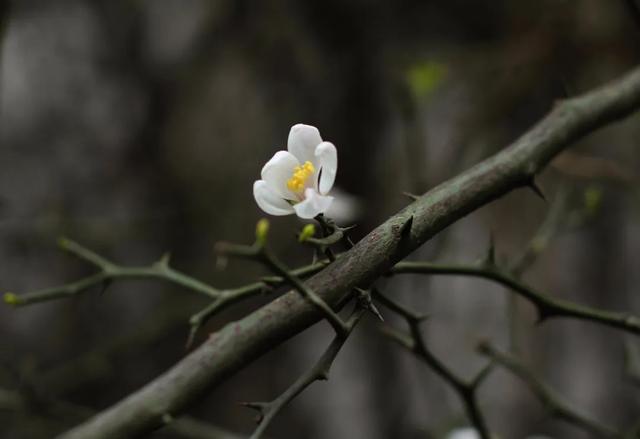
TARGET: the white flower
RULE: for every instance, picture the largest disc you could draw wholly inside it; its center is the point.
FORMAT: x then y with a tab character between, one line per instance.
298	180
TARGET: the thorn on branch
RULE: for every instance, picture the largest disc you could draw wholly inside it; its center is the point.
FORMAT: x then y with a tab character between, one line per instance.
319	371
490	258
365	301
412	197
536	189
164	261
405	229
261	253
398	308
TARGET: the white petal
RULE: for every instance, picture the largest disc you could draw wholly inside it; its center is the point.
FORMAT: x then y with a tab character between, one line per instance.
313	204
278	171
303	141
269	201
327	156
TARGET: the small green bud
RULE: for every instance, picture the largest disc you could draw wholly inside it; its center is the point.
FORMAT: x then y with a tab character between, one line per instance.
11	299
262	229
592	199
307	232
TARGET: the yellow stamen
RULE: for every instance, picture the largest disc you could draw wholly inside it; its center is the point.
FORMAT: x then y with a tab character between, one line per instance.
300	176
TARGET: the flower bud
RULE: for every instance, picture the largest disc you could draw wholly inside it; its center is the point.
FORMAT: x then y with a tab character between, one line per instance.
307	232
262	229
11	299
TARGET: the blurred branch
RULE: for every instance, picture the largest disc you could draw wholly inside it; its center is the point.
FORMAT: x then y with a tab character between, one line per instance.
547	307
551	401
319	371
536	245
100	363
593	168
550	226
415	343
241	342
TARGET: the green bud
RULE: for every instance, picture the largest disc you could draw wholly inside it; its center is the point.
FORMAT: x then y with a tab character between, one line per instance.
592	199
11	299
262	229
307	232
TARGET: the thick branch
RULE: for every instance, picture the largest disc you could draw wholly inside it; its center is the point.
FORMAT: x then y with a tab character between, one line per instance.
241	342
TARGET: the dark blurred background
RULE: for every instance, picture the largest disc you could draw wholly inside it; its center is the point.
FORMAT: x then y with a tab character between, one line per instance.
138	126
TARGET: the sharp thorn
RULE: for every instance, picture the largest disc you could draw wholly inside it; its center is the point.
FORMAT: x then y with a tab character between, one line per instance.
411	196
405	230
536	189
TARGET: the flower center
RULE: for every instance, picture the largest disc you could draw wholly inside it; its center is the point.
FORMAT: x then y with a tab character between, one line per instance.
300	176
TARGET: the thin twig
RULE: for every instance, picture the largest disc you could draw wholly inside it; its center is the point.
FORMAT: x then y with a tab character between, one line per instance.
547	396
547	307
415	343
319	371
262	254
110	271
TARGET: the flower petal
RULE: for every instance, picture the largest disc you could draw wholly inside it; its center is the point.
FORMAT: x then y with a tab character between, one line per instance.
269	201
278	171
327	156
303	141
313	204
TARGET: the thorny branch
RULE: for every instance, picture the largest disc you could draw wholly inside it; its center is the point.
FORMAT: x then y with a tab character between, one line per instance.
547	306
261	253
319	371
415	343
110	271
241	342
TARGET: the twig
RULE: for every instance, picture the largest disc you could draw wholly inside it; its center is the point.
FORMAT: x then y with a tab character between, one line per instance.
241	342
415	343
550	226
110	271
262	254
546	306
547	396
319	371
229	297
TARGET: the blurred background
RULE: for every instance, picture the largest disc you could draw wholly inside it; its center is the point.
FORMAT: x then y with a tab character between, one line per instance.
137	127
